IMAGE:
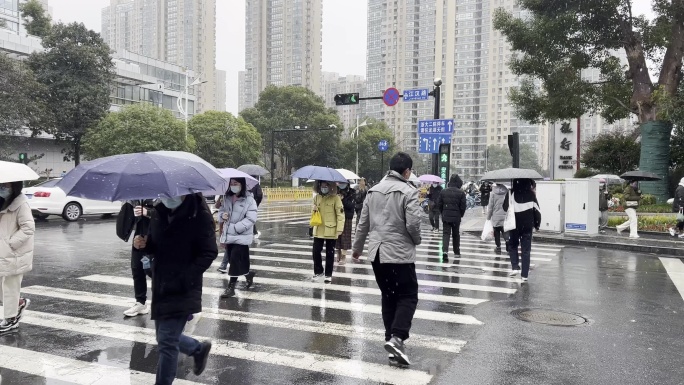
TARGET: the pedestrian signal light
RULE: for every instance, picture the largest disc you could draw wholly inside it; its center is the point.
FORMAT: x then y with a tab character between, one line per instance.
346	99
23	158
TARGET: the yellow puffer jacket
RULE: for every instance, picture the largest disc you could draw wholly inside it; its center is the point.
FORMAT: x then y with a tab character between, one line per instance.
332	213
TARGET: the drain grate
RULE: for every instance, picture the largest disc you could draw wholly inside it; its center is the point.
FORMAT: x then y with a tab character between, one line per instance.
549	317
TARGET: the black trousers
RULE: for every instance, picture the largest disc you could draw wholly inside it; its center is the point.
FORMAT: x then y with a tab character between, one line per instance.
399	288
329	256
434	218
521	237
139	277
451	230
498	232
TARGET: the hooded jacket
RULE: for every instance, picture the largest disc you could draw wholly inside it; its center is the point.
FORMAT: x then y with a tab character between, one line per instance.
452	201
17	229
391	217
678	203
527	213
332	214
242	215
498	205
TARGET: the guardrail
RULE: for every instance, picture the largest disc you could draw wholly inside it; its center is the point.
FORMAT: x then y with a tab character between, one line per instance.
287	194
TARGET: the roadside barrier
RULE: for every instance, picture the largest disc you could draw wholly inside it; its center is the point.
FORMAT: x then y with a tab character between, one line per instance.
287	194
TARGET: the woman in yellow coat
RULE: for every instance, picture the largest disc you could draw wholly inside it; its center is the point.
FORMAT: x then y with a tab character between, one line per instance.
329	205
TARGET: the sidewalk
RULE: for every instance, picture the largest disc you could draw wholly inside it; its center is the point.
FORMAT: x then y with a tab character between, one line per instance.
650	243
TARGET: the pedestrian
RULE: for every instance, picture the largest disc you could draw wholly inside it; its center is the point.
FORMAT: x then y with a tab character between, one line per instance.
238	214
678	208
527	218
485	190
496	212
183	241
360	198
433	212
604	198
17	229
452	205
632	197
344	242
329	205
391	218
134	217
258	195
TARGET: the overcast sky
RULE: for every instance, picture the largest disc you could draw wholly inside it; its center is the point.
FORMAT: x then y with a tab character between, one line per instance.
344	34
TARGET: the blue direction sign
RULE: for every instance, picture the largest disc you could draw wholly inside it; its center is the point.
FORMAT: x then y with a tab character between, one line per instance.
429	143
383	145
414	95
436	126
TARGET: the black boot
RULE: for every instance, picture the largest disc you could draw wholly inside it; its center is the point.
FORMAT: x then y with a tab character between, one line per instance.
250	279
229	292
445	257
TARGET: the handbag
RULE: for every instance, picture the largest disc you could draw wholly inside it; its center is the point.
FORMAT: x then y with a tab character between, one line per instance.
509	223
631	203
680	215
487	232
316	219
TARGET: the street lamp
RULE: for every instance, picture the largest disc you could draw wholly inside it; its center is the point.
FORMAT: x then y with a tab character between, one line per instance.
356	134
184	110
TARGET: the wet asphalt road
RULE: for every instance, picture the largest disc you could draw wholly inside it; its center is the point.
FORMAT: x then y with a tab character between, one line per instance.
287	330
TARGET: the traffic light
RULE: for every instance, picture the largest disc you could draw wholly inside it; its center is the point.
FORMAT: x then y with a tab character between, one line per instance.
23	157
346	99
444	161
514	147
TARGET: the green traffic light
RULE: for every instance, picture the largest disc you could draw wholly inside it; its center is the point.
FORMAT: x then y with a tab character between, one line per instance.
353	98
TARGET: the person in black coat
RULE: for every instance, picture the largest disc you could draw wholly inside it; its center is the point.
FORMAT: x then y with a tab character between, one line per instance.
527	218
134	217
678	208
258	195
344	241
360	197
485	191
433	211
452	205
182	242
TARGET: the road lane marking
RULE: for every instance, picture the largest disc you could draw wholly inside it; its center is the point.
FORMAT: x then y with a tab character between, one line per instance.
675	269
307	301
265	354
342	330
483	246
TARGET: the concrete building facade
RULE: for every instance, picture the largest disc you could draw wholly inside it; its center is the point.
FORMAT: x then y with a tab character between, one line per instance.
220	90
282	46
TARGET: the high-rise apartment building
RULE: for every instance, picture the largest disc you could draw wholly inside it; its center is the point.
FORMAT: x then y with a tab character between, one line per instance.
220	90
331	84
10	15
181	32
282	46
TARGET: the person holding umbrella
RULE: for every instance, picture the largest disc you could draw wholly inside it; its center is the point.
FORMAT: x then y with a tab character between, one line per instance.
678	208
329	205
527	218
632	197
237	217
17	229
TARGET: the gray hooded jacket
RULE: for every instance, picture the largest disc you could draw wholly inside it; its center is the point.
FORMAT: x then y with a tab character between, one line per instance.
497	211
391	216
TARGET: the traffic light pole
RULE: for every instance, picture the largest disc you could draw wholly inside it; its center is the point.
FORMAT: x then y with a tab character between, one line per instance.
274	131
437	93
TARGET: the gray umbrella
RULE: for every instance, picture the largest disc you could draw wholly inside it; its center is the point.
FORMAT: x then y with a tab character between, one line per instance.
253	169
640	176
511	173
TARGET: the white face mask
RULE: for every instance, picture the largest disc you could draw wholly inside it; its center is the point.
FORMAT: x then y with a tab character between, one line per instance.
5	192
235	189
172	203
343	185
324	190
435	185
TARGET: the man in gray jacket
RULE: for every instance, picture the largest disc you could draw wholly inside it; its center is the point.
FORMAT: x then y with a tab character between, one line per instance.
391	215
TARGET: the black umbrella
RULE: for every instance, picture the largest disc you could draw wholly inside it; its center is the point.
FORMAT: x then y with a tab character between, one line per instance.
640	176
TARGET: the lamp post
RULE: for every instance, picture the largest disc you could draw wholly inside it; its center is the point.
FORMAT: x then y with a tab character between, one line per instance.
356	134
184	110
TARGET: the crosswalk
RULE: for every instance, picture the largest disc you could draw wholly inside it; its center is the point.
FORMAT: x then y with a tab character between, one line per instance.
285	329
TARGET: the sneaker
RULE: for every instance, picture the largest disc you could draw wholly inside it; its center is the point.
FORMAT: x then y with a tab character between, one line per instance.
396	346
619	230
497	251
672	232
23	304
137	309
201	358
681	236
514	271
8	325
257	235
327	280
523	280
445	257
634	237
223	270
316	277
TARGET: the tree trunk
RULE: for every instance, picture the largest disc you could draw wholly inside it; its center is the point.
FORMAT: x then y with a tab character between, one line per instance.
655	157
77	151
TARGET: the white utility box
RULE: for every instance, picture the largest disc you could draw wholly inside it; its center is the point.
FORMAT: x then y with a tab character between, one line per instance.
581	206
551	198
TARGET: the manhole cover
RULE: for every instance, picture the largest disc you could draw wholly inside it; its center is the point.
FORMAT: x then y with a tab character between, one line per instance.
549	317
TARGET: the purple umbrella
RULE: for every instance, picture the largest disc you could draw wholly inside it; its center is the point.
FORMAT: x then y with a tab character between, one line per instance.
320	173
429	178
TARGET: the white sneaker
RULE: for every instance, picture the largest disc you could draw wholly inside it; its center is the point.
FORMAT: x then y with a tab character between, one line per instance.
523	280
634	237
316	277
257	235
672	232
681	236
619	230
137	309
513	273
327	280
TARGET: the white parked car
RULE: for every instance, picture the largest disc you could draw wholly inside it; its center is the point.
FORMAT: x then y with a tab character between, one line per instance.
46	199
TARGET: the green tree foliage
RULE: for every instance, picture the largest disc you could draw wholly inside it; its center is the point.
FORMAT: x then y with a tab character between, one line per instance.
499	157
290	106
559	40
584	173
77	70
136	128
18	96
224	140
370	158
36	20
612	153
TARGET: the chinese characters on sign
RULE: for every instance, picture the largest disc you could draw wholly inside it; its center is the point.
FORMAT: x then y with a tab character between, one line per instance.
565	128
433	133
565	144
565	161
437	126
415	95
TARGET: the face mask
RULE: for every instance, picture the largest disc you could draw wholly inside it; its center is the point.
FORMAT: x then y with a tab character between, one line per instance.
235	189
343	185
5	192
172	203
324	190
435	184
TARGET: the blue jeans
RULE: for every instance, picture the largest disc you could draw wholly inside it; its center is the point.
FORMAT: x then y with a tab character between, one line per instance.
170	341
522	237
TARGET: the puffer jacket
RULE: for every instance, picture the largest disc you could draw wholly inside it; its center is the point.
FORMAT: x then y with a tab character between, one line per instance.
631	195
17	229
678	203
527	212
485	192
452	201
391	217
348	197
498	206
332	214
242	215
